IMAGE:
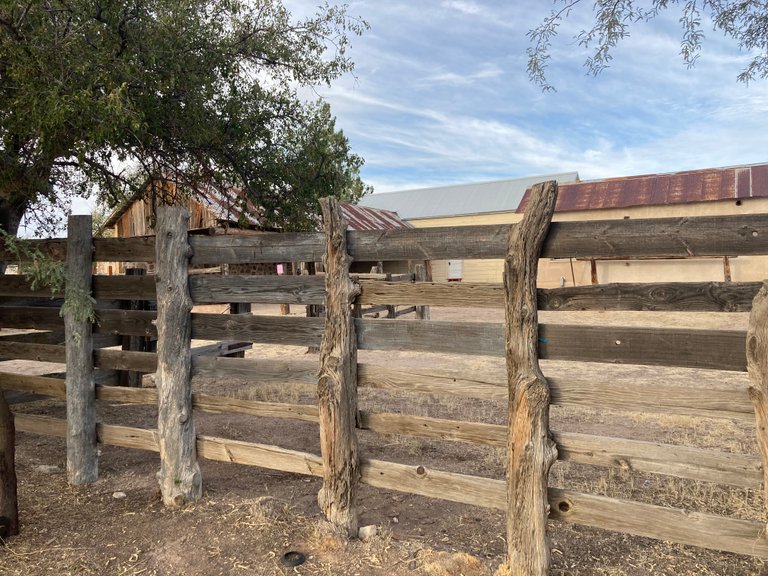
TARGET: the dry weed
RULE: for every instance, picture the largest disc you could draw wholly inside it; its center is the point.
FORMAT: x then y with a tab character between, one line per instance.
452	564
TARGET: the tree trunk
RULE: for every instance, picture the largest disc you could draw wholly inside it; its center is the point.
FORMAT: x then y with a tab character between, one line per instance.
179	476
10	217
9	511
11	214
531	451
337	379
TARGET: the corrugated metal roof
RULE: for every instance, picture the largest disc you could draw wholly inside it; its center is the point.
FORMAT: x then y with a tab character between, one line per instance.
460	199
230	205
708	185
225	205
362	218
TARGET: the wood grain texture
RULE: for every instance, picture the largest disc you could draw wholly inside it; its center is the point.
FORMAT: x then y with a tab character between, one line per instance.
299	371
32	351
669	524
286	247
82	455
745	234
663	237
257	289
673	525
670	296
125	287
679	461
289	330
757	366
720	401
712	349
53	387
19	285
657	297
179	476
337	378
530	448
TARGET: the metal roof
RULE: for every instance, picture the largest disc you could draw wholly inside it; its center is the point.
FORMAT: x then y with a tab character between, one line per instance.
460	199
708	185
362	218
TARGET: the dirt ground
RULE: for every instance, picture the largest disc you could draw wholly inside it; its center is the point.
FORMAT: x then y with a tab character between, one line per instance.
250	517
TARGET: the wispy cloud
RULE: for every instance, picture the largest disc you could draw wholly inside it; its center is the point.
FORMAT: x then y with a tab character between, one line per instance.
441	95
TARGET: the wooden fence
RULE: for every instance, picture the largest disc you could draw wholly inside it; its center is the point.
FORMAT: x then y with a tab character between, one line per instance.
340	335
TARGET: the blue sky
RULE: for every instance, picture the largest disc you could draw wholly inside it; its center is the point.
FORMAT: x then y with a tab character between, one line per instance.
440	95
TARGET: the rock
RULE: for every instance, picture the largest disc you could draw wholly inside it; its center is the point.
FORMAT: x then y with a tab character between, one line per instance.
119	495
395	520
367	532
47	469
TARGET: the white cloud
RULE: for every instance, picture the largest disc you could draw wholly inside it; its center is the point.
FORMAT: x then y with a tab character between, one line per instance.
462	6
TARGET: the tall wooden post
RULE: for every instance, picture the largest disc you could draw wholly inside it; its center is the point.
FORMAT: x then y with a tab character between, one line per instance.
531	451
9	510
82	454
757	366
337	379
420	275
179	476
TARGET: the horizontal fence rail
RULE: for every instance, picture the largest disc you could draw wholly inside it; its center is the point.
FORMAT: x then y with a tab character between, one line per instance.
663	237
22	307
652	457
722	401
213	289
708	349
684	527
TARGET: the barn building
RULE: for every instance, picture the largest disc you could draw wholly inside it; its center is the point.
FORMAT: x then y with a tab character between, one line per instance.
708	192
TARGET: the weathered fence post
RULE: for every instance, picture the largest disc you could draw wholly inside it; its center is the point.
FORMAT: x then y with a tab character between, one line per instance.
9	510
420	275
179	476
531	451
337	378
757	366
82	451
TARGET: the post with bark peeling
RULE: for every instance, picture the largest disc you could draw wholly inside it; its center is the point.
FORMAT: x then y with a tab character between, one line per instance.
179	476
531	451
757	366
82	451
337	379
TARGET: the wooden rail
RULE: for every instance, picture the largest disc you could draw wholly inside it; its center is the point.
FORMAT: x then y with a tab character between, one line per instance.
721	401
684	527
662	237
653	457
659	238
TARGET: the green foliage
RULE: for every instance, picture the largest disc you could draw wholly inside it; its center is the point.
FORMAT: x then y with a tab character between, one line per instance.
42	271
746	21
199	92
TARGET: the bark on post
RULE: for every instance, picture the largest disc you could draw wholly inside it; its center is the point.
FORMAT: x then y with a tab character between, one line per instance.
757	366
420	275
531	451
9	510
337	379
179	476
82	453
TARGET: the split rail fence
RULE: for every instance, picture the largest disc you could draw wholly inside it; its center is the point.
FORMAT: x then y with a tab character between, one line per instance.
340	334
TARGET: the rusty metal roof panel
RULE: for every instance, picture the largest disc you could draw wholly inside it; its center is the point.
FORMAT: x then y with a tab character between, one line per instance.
364	218
709	185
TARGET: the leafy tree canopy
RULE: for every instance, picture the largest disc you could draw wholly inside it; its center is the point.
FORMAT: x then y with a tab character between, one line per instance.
105	94
746	21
